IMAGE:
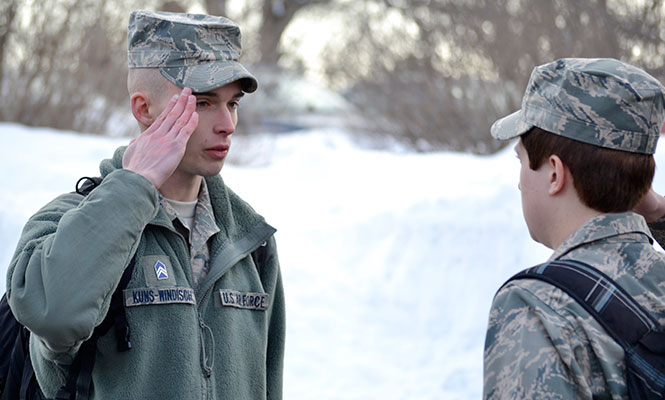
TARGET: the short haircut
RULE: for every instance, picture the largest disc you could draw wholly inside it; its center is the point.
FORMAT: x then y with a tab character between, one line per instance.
606	180
147	80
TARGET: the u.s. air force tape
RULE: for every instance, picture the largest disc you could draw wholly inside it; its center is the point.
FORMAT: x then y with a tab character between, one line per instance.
150	296
246	300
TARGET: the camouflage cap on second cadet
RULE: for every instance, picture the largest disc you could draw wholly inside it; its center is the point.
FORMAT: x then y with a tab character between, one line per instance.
603	102
191	50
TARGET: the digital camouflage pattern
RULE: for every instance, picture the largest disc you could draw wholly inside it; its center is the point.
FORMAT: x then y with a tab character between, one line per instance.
541	344
603	102
204	228
191	50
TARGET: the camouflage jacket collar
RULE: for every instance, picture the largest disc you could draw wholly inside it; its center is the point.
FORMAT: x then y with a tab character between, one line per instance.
238	223
204	218
602	227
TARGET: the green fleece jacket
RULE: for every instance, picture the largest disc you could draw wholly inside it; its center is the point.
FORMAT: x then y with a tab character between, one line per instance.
224	340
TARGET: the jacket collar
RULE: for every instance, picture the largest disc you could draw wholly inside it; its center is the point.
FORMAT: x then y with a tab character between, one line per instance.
602	227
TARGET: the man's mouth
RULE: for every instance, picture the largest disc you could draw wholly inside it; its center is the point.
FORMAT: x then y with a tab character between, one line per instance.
218	152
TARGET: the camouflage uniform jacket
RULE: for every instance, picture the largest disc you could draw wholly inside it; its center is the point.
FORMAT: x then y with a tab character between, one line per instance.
221	339
541	344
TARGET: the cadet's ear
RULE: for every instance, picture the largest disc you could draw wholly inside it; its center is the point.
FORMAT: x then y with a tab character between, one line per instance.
140	104
557	175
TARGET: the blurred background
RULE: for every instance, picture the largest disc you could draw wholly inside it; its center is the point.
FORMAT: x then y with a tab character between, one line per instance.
426	74
367	146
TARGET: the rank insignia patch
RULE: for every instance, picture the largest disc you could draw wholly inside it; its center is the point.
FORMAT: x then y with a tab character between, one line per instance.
160	270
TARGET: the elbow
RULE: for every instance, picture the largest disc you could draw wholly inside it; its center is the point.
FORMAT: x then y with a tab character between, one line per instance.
53	322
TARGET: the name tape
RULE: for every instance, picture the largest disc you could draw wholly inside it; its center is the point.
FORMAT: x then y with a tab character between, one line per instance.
248	301
150	296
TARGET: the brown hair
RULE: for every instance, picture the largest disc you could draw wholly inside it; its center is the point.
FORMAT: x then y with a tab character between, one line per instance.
606	180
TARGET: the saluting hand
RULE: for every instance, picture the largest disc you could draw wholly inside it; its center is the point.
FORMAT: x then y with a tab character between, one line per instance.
157	152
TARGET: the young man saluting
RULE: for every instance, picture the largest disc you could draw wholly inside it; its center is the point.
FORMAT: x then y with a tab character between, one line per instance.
587	130
163	204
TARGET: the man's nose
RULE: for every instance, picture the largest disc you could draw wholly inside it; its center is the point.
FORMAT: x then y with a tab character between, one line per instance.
225	122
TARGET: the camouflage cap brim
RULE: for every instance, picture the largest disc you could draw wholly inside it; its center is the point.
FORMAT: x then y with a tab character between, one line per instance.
206	77
510	126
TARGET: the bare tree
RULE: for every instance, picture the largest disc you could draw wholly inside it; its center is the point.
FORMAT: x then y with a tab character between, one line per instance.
65	64
438	72
435	73
276	16
273	17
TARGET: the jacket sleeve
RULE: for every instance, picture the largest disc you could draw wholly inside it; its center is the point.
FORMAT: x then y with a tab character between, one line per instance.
71	255
530	351
276	329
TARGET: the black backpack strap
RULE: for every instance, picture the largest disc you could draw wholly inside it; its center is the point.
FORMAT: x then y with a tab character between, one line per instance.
11	338
611	305
625	320
17	362
259	257
30	390
86	184
79	379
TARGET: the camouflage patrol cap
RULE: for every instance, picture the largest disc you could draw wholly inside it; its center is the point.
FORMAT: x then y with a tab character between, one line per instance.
603	102
191	50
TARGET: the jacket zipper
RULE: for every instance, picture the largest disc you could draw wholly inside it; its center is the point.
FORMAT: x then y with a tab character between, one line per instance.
207	370
210	284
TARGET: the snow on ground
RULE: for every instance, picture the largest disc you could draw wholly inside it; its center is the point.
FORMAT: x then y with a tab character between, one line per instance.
390	260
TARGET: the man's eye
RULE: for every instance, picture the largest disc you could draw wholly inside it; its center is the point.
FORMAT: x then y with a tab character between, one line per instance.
202	104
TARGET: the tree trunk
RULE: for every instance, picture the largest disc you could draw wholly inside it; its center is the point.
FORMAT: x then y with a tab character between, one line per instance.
7	19
171	6
276	16
216	7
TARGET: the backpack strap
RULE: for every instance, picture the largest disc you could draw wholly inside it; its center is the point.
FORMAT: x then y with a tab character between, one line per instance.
626	321
88	184
18	377
12	352
259	257
79	379
610	304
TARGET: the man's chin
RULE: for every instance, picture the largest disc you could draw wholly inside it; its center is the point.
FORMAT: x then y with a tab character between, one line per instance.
535	237
213	171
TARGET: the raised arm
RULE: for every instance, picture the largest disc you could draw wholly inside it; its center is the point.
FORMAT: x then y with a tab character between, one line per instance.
72	253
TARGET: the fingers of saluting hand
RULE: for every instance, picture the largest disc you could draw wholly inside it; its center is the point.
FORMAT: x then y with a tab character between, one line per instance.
178	110
157	152
187	120
179	114
159	121
191	124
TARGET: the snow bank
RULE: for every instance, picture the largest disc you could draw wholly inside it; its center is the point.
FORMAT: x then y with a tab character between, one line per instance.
390	260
